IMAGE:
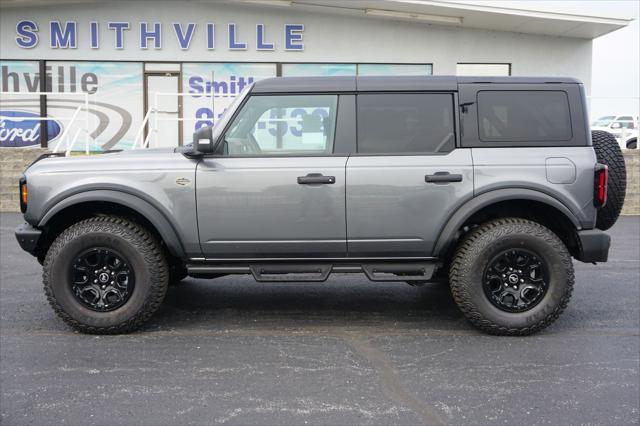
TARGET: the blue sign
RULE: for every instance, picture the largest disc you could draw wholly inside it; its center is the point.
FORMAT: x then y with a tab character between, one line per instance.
22	132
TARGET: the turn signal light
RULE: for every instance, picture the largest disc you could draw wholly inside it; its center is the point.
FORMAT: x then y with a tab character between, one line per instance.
600	185
24	195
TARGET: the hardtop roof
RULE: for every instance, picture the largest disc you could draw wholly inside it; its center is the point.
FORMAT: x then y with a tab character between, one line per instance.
389	83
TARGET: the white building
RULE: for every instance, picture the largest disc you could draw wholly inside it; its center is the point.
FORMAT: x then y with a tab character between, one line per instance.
109	65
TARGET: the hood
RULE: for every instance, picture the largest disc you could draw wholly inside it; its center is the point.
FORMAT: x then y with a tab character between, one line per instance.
143	159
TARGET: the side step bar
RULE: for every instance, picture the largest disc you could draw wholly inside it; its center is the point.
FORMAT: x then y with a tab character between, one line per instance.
290	272
399	271
318	272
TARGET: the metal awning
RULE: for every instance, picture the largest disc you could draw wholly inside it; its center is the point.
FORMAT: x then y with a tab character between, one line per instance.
551	20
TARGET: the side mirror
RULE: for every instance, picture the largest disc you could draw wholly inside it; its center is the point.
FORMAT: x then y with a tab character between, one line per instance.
204	146
615	125
203	140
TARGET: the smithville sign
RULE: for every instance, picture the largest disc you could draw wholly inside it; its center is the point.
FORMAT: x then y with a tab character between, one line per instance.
150	35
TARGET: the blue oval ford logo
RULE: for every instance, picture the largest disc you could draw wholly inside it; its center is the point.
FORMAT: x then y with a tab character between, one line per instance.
18	132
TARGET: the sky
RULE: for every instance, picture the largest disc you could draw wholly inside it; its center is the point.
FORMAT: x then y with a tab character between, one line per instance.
615	81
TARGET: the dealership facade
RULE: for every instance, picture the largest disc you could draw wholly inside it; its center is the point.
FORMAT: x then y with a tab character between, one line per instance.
119	75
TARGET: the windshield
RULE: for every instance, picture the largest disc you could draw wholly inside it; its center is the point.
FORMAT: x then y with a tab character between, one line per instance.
603	121
222	122
232	105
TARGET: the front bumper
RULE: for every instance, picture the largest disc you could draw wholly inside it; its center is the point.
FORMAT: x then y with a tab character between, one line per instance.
28	237
593	246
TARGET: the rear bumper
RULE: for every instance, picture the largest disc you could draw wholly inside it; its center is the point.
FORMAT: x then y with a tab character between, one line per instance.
28	237
594	246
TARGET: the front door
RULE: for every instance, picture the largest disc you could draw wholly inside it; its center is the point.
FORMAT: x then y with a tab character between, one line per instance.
407	177
275	188
163	99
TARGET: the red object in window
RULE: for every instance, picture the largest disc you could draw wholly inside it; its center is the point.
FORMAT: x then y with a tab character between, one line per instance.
600	190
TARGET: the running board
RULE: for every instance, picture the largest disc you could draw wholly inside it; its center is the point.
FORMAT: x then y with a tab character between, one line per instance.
290	272
317	272
399	271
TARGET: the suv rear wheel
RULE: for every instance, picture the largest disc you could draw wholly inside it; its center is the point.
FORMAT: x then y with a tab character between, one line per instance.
105	275
511	276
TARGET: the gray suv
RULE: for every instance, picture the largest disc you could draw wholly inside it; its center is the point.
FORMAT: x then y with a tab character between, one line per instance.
489	184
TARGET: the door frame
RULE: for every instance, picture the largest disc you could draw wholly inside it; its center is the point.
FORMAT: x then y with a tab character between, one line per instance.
178	74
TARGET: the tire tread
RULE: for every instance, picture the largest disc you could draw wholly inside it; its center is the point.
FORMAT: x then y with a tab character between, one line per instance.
608	152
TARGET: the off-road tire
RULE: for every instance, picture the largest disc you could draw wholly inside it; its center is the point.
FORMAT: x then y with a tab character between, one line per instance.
608	152
471	257
142	251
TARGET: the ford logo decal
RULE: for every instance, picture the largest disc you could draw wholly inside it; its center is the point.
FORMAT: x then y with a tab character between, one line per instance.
24	131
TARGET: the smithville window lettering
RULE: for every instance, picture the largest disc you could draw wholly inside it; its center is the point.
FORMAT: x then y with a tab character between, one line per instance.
150	35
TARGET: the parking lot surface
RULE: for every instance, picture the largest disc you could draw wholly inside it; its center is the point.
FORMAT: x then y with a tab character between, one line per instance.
347	351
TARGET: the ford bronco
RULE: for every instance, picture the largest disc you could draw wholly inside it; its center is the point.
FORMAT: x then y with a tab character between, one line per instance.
492	185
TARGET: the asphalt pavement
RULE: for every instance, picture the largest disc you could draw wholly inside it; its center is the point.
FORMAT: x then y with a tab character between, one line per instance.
347	351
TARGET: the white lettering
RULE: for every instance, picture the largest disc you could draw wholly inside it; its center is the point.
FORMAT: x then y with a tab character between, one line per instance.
11	134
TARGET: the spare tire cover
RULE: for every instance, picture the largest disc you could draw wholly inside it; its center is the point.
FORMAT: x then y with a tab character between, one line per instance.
608	152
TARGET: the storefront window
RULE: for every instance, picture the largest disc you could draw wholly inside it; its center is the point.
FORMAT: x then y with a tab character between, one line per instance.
98	106
209	89
483	69
395	69
19	110
318	70
113	93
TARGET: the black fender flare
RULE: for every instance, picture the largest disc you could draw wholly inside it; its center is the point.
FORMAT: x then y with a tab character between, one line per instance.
161	223
448	234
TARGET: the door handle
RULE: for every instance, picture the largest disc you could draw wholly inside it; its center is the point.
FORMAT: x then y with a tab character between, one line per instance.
442	177
316	178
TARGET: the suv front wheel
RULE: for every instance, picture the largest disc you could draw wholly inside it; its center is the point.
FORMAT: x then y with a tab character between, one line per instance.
511	276
105	275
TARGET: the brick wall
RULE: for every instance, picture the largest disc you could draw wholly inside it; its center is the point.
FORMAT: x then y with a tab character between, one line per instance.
14	161
632	201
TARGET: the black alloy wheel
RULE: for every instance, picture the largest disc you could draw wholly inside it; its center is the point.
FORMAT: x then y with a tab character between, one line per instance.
515	280
102	279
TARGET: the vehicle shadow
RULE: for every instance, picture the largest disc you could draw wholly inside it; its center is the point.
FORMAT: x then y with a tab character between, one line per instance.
342	301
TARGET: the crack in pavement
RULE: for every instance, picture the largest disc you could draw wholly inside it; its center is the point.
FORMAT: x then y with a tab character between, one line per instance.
391	384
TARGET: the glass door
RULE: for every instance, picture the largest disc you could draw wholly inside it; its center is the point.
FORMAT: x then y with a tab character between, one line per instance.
163	103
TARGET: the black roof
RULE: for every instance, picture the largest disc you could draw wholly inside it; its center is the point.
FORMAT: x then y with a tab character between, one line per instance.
370	84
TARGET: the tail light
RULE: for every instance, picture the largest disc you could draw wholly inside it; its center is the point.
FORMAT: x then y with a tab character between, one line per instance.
24	194
600	185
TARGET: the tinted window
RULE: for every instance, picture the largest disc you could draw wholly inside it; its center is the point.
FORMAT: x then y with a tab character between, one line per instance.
505	116
399	123
283	125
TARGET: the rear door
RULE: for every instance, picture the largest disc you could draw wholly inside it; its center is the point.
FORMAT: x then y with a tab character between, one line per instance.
407	176
277	189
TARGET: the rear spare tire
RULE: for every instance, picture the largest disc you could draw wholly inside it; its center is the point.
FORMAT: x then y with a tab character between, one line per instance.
609	153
